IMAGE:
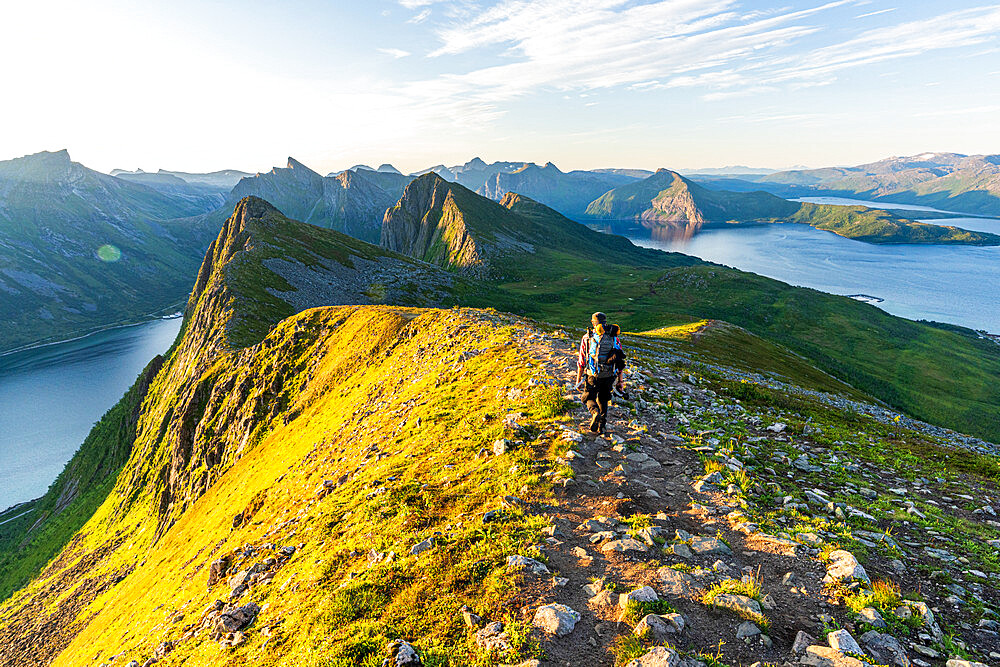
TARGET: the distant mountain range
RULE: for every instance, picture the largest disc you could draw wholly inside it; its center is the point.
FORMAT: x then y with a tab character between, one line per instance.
667	199
352	201
80	250
948	181
221	180
55	214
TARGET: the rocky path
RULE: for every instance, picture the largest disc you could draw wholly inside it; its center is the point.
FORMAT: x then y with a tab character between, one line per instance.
649	545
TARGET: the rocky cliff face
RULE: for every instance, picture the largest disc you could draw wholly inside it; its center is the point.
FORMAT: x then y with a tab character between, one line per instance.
352	202
429	223
568	193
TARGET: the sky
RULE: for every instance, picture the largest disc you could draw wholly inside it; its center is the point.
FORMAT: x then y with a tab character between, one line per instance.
204	85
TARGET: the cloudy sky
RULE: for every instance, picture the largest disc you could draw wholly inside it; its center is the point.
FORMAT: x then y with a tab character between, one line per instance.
201	85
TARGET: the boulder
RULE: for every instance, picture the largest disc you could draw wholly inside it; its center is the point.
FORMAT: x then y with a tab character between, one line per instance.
401	654
927	616
237	618
871	616
493	638
658	656
803	640
555	619
706	546
955	662
842	641
747	629
676	583
885	649
824	656
659	628
628	545
519	563
844	567
741	604
217	570
644	594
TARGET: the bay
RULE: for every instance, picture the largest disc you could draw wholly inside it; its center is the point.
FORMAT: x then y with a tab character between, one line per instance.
51	396
953	284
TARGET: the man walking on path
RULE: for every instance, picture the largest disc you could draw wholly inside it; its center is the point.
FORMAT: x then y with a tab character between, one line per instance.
603	367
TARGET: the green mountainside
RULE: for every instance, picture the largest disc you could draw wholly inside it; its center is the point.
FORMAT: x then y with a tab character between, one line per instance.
562	269
313	477
80	250
668	199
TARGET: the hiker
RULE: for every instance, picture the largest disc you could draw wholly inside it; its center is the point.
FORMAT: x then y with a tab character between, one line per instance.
602	358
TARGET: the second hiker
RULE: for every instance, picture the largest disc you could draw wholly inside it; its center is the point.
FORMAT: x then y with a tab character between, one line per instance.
602	359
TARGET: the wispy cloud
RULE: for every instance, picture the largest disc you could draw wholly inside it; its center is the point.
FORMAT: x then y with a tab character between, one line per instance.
421	17
876	13
713	47
395	53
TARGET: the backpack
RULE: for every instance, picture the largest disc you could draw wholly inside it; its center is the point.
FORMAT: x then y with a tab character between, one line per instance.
602	353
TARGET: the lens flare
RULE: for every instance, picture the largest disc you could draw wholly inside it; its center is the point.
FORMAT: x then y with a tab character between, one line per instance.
109	253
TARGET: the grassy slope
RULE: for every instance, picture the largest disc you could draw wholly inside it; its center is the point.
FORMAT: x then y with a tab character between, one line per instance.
353	402
946	376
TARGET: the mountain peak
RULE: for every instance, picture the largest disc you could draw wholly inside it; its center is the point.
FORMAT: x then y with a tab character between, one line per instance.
388	169
295	164
475	163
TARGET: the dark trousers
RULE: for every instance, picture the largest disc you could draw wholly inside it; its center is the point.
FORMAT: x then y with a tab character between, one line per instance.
597	395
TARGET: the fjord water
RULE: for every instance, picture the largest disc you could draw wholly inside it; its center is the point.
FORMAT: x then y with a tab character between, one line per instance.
953	284
51	396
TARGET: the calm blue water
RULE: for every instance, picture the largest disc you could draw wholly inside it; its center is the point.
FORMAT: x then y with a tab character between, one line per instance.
51	396
955	284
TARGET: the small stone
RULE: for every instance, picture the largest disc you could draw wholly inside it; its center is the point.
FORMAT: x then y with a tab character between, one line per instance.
824	656
747	629
777	427
421	547
556	619
501	446
809	539
955	662
401	654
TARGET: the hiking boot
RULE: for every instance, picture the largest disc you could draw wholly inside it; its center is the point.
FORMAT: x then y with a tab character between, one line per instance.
602	426
595	423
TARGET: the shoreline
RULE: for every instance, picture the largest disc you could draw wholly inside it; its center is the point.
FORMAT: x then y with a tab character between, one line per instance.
149	317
